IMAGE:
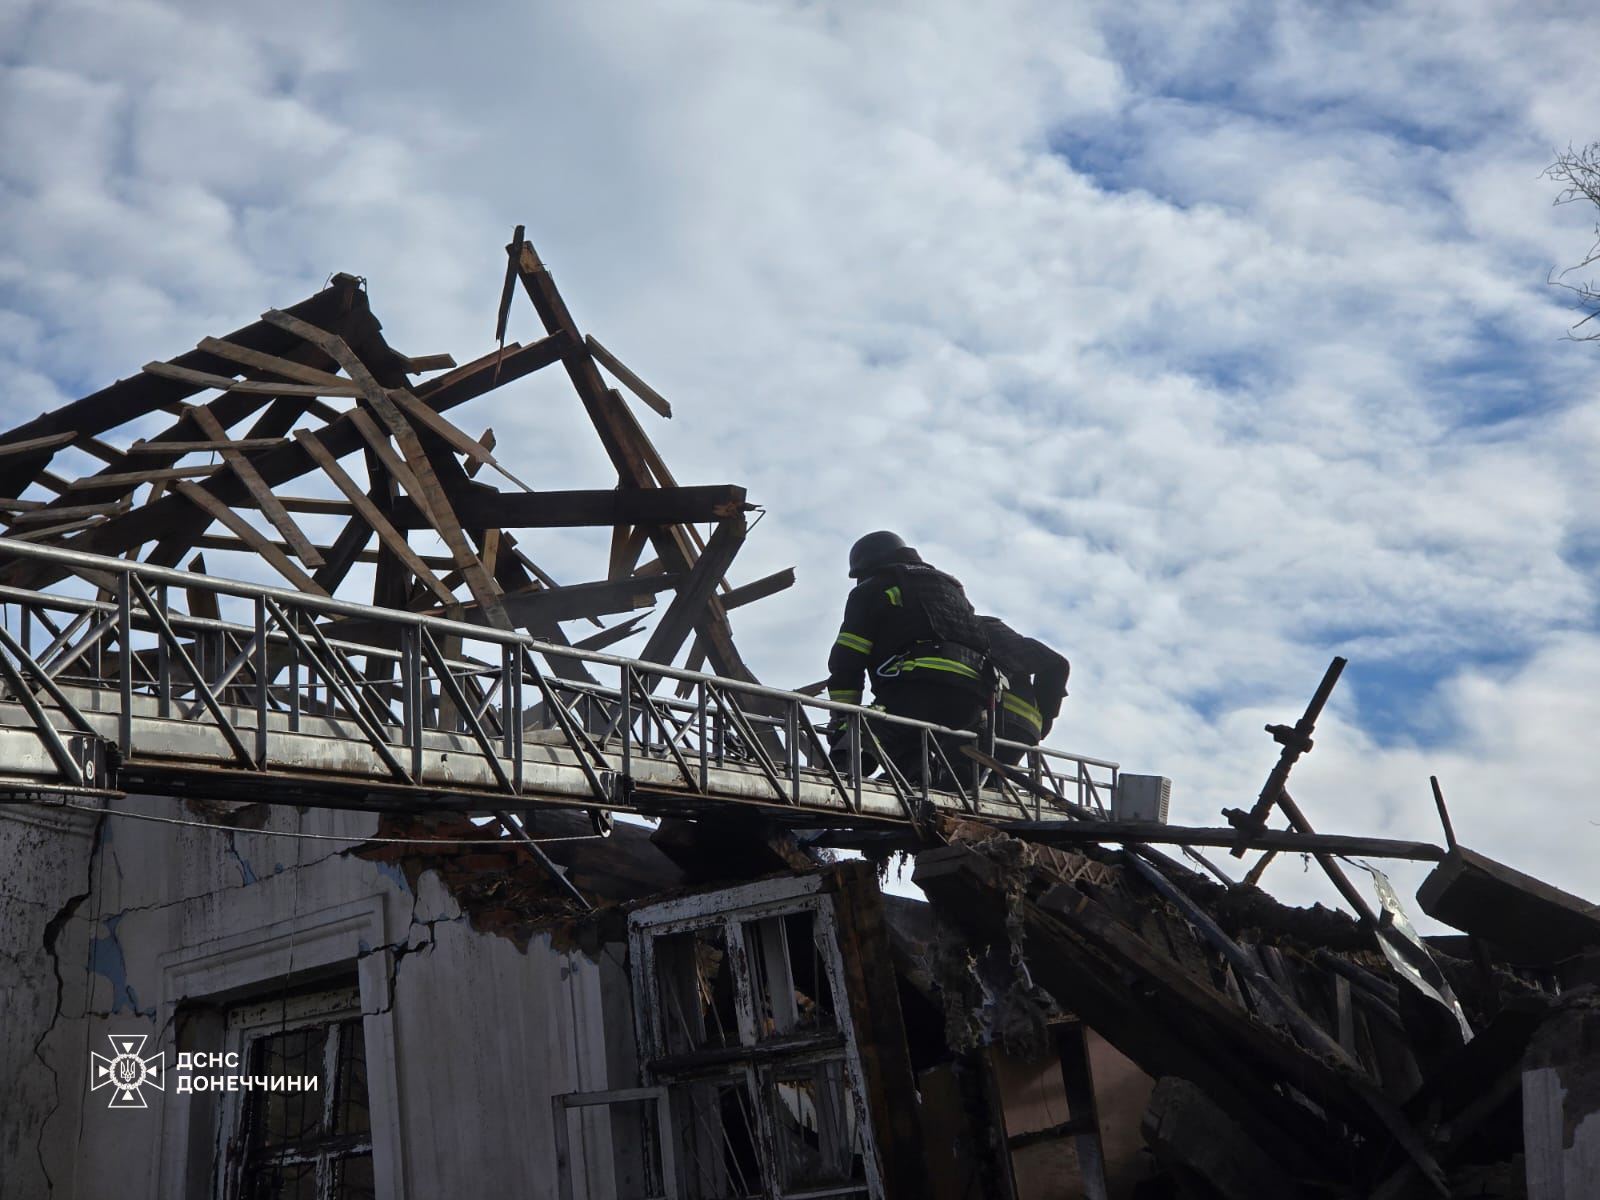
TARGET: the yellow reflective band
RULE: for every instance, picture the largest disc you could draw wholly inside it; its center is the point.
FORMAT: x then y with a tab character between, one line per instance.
851	642
895	597
844	696
939	664
1018	707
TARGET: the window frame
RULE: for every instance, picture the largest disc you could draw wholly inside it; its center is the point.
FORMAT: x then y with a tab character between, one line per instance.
249	1023
755	1060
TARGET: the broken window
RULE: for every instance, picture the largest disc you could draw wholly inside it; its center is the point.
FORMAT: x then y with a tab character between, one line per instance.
789	984
309	1142
695	991
743	1027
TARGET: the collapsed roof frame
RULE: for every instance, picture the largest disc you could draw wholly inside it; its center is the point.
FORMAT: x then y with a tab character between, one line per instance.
419	468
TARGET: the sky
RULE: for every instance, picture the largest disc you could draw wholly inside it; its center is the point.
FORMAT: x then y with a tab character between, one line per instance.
1204	342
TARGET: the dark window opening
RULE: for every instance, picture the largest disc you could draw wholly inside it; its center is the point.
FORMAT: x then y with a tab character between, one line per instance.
308	1144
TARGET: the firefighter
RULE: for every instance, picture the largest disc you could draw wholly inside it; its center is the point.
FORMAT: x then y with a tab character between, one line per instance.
911	628
1033	682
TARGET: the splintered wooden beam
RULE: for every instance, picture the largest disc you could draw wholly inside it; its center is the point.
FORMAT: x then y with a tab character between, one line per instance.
609	637
487	442
387	533
420	364
288	368
482	585
260	492
627	543
695	592
759	589
257	387
263	546
629	380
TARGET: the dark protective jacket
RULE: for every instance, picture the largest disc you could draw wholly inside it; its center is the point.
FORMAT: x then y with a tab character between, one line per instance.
1035	681
907	623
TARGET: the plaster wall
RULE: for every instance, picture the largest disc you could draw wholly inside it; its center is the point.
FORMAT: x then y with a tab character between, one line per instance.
468	1036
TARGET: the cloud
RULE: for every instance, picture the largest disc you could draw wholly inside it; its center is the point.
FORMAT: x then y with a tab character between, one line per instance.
1205	342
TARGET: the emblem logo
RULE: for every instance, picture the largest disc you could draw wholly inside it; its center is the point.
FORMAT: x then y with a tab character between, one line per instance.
127	1071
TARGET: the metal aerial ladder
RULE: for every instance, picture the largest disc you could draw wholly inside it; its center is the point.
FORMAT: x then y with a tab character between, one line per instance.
269	694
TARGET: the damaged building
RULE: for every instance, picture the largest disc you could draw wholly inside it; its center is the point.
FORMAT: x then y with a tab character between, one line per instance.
340	867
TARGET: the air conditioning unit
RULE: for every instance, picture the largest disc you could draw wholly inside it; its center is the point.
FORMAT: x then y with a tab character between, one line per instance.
1142	798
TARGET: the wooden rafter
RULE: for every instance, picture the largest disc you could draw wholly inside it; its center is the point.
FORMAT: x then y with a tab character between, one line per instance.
248	418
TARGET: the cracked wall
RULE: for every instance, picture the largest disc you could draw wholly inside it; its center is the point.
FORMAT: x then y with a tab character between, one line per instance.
45	854
475	1031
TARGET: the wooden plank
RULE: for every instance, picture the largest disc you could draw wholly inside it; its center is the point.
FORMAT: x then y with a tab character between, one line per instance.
628	379
480	507
273	422
1081	833
621	631
205	447
129	480
219	511
487	442
387	533
481	584
295	371
157	519
55	531
420	364
272	364
378	442
94	446
260	492
760	589
258	387
201	602
507	290
232	545
572	601
316	504
139	395
458	440
38	445
74	512
1526	916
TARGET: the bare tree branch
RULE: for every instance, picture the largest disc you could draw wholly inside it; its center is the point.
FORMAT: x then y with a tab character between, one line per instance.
1578	173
